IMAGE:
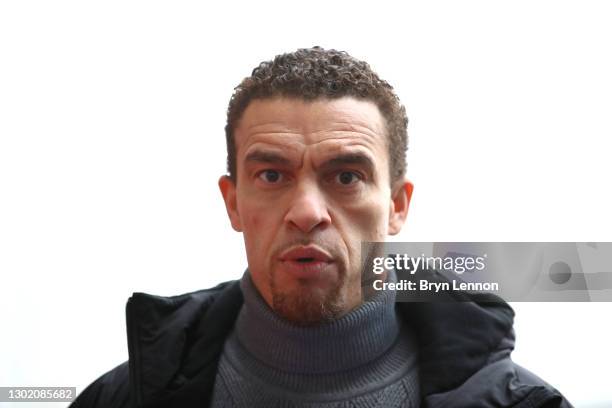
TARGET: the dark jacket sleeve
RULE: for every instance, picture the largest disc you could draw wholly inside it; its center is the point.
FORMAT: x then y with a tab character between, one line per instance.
111	390
550	396
500	384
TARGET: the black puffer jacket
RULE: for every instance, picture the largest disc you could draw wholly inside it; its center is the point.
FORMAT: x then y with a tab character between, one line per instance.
175	344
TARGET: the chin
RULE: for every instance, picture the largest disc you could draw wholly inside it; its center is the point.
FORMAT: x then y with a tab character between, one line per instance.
308	306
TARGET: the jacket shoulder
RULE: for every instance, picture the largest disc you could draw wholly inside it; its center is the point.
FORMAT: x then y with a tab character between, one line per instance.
544	393
501	383
111	390
170	316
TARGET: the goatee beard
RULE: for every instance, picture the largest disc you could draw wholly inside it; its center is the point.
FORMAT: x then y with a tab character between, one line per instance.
307	308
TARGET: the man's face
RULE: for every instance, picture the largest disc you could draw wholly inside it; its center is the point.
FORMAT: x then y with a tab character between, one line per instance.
312	184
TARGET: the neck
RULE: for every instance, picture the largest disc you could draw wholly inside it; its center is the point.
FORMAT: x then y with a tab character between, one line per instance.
356	338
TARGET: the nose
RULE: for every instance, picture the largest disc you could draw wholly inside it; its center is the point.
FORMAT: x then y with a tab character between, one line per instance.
308	208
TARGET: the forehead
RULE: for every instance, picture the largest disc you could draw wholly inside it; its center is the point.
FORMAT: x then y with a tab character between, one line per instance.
322	125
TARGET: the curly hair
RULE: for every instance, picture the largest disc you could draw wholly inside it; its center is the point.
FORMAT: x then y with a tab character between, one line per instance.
312	73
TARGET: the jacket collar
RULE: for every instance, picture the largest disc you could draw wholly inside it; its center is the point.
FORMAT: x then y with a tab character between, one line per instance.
175	343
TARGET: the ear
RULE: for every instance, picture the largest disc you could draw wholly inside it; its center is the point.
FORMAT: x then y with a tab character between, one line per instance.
398	210
228	191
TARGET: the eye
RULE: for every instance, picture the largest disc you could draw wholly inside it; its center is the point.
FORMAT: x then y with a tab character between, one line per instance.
270	176
346	178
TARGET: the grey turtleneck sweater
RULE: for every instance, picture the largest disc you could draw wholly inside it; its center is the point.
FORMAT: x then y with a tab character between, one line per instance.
366	358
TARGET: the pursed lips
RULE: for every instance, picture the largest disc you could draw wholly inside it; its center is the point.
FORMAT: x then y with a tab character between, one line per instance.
304	254
306	262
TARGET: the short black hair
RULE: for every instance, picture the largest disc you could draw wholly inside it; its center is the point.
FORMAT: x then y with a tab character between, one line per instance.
312	73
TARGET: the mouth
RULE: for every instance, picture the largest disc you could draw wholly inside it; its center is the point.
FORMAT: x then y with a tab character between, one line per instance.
306	254
306	262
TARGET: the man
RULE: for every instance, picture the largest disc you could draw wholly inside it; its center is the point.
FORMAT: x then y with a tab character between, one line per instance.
316	158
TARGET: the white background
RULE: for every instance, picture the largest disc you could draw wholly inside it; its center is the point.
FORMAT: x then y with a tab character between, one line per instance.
112	141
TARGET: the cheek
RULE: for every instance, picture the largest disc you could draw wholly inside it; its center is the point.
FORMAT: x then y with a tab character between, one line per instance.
368	220
252	222
259	226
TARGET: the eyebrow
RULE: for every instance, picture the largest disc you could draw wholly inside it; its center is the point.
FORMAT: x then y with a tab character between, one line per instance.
260	156
350	158
343	159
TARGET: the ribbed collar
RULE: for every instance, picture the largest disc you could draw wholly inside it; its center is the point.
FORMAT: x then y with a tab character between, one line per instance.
353	340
